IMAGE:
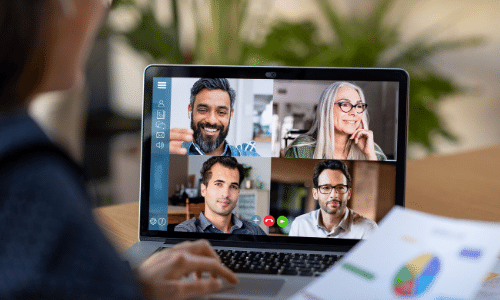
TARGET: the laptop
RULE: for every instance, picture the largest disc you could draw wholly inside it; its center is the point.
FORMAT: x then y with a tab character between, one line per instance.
263	117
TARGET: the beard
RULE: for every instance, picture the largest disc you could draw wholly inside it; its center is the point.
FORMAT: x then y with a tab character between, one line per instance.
208	143
339	210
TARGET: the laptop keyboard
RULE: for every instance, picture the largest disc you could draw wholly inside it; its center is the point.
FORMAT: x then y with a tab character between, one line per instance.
277	263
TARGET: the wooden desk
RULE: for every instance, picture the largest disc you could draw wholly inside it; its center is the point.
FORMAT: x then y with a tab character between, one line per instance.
461	186
121	222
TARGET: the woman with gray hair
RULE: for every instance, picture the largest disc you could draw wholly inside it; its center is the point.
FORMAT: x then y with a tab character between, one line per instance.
340	129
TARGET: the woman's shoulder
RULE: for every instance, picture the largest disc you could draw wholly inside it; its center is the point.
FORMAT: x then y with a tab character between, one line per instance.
303	139
32	167
302	147
44	173
44	189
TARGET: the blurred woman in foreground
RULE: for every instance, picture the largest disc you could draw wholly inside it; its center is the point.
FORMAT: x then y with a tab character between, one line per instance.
51	247
340	129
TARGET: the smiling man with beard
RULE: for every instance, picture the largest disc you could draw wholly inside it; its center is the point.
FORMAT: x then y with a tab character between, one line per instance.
210	110
333	219
221	180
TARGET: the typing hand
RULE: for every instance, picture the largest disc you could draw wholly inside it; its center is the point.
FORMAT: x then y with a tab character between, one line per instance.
177	137
162	274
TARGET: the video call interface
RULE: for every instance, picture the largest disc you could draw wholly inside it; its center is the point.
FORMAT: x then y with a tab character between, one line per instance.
273	157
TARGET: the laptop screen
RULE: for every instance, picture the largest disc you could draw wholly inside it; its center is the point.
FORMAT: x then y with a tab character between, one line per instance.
296	156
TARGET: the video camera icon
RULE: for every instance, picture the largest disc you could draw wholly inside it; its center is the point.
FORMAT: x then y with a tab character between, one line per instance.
282	221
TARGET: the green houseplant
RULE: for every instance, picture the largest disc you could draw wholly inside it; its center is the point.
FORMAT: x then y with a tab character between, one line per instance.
369	41
359	41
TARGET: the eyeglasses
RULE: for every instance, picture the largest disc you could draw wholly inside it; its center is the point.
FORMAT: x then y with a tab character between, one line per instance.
347	106
327	189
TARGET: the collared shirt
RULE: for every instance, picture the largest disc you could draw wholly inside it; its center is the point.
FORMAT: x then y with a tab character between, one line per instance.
352	226
245	149
202	224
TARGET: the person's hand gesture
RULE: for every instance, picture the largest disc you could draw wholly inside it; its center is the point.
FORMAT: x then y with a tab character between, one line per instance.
177	137
164	274
363	139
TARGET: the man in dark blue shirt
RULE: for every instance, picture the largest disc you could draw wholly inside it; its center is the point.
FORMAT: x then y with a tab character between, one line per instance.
221	180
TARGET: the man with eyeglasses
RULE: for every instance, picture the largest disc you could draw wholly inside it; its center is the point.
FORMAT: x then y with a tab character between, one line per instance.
333	219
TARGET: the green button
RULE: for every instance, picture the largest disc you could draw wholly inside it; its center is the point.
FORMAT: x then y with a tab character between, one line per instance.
282	221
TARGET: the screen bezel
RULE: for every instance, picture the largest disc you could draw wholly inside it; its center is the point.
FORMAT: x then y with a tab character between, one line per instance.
278	73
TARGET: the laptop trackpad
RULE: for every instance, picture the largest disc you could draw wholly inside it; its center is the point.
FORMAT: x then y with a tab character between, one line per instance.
257	287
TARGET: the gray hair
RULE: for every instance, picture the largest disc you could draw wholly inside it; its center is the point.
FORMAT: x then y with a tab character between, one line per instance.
323	130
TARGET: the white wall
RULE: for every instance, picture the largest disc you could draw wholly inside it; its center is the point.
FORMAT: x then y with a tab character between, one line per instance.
181	91
474	115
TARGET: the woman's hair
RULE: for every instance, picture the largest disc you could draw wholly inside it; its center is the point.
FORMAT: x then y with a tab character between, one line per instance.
23	26
323	130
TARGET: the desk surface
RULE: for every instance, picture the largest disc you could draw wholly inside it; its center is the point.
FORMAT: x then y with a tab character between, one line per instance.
463	185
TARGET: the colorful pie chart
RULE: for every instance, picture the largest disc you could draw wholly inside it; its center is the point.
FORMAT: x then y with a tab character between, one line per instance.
417	276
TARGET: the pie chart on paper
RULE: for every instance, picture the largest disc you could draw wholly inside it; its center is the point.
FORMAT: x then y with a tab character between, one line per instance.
416	276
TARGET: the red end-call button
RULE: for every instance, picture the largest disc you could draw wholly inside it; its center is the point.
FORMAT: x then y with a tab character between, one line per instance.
269	221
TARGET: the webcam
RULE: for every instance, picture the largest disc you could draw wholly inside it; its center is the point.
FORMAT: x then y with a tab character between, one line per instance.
271	74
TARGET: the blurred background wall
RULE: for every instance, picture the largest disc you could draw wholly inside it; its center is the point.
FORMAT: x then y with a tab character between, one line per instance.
472	115
449	47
